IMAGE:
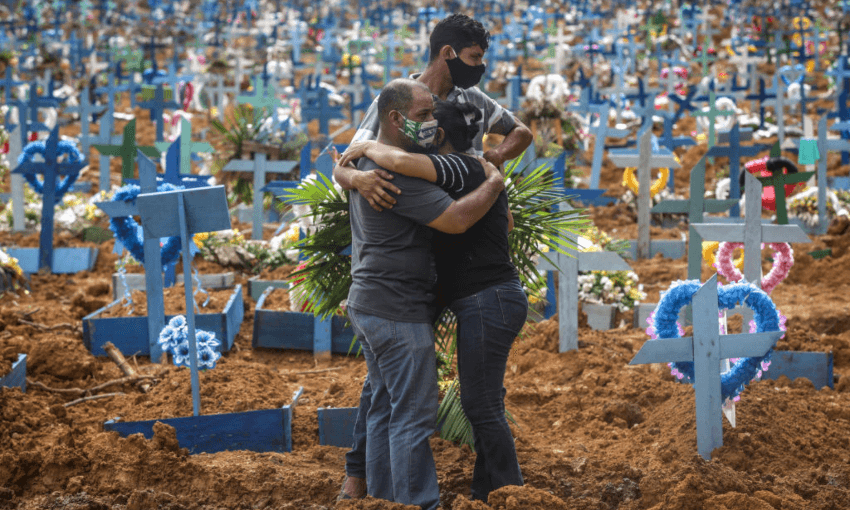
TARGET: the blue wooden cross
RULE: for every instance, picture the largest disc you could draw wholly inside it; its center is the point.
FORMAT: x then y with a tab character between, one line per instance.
185	147
157	106
50	168
315	105
645	158
569	266
601	131
87	112
259	167
761	97
184	213
153	260
668	140
735	151
705	349
695	207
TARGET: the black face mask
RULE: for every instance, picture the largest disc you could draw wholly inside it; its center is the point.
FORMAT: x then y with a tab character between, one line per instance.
463	74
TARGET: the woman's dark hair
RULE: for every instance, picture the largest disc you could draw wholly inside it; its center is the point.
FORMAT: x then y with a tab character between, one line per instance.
459	122
458	31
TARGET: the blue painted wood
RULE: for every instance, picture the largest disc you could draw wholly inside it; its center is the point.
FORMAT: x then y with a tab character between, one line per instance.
17	377
258	431
130	334
256	287
814	366
336	426
65	260
294	330
50	168
159	211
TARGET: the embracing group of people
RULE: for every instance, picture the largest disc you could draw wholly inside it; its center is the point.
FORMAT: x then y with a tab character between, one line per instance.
430	223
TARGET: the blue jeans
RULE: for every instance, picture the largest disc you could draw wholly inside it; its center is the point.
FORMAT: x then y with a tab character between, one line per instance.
488	323
402	413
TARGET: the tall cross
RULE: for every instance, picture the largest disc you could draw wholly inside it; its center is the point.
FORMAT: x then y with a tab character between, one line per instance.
126	151
601	132
259	167
705	349
568	266
153	260
712	113
186	147
157	106
644	159
87	112
50	168
695	207
735	151
668	140
760	97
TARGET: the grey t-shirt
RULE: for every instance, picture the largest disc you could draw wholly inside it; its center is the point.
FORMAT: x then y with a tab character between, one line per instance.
392	260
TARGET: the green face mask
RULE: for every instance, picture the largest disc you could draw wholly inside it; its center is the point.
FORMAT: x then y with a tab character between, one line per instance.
421	133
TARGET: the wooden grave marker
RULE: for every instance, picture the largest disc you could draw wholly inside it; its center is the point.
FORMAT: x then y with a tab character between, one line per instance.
126	151
705	349
644	159
45	258
568	267
695	207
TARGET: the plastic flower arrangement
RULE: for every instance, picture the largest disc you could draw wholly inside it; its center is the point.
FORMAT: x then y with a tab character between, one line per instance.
804	205
619	288
11	274
32	211
174	338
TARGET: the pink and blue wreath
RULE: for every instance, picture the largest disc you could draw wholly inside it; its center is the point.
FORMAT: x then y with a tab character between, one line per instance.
64	147
766	318
129	233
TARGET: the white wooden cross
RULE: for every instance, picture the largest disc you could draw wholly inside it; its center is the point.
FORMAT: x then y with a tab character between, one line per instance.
17	183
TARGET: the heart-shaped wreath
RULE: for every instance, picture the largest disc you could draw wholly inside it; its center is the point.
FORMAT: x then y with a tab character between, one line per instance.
783	259
129	233
767	318
64	147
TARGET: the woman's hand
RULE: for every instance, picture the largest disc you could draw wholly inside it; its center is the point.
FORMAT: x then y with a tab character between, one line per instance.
355	151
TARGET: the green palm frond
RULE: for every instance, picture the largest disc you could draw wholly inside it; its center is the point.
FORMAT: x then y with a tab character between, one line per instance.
453	423
327	274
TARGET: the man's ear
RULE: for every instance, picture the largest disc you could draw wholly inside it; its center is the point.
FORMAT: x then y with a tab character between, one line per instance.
447	52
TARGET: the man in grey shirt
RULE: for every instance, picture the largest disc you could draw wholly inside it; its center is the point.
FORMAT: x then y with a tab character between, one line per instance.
391	302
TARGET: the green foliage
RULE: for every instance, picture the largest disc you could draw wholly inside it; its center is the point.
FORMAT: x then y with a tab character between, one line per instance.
327	275
244	125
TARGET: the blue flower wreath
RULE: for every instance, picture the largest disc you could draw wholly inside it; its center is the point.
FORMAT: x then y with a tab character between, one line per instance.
128	232
765	315
63	147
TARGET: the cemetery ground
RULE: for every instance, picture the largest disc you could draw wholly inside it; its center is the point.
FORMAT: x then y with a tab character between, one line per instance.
591	431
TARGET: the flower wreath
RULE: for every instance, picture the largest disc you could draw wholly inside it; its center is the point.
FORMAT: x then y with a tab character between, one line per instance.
782	261
708	249
630	180
128	232
63	147
744	370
